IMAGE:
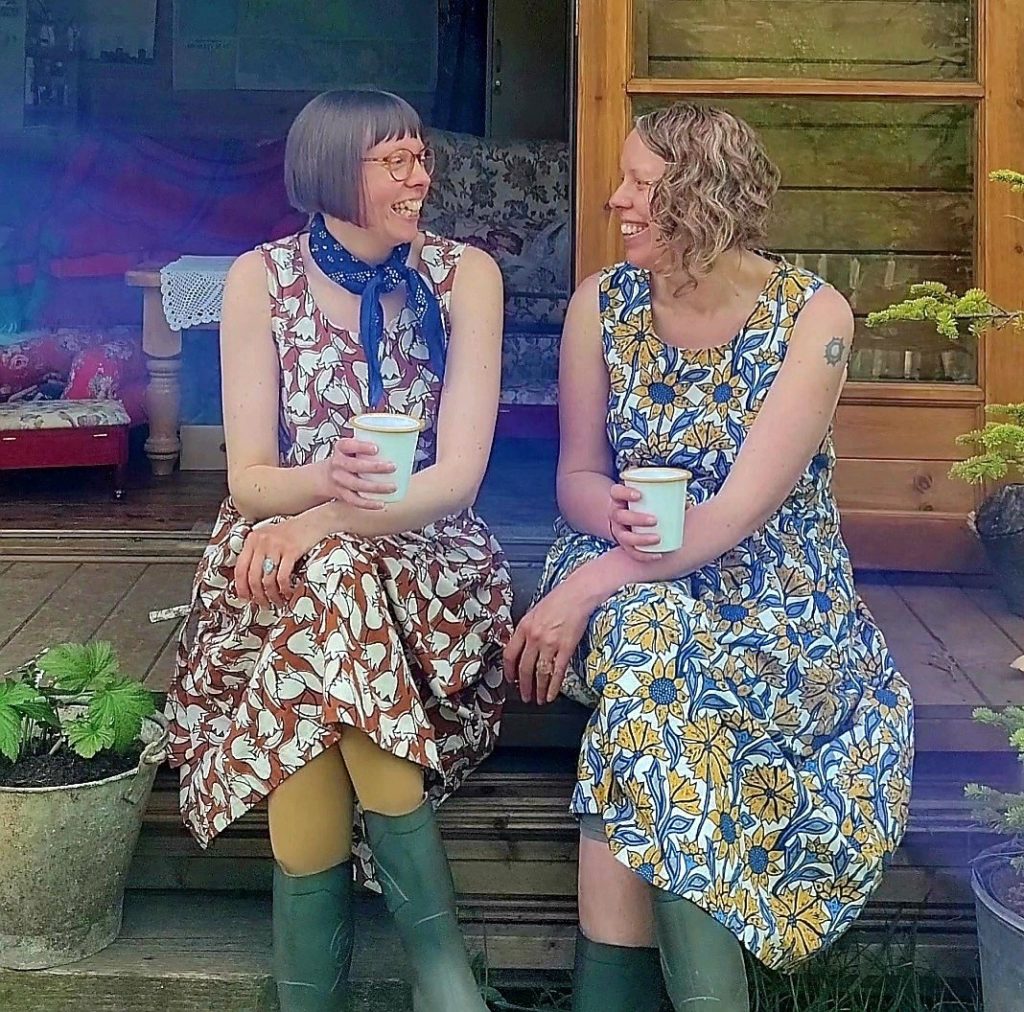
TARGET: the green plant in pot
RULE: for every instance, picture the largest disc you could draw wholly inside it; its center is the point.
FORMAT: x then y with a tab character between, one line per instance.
999	446
998	878
80	744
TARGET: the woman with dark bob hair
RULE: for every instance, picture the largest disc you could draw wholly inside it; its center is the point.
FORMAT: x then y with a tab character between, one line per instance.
746	769
343	657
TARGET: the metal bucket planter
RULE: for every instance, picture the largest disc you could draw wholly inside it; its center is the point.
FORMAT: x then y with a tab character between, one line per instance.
1000	931
65	858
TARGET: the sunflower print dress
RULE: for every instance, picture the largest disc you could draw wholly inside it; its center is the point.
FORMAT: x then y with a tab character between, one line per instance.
751	740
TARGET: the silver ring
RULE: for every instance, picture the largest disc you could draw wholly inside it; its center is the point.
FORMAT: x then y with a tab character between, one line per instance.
269	565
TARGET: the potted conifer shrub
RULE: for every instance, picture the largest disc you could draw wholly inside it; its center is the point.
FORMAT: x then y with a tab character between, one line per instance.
999	446
80	744
998	873
998	880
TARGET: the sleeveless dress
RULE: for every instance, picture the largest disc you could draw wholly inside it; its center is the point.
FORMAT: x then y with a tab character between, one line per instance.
400	636
751	741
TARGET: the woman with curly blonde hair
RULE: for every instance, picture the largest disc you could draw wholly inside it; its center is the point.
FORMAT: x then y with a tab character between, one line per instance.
746	769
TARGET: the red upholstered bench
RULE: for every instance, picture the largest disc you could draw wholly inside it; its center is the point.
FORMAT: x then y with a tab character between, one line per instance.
66	433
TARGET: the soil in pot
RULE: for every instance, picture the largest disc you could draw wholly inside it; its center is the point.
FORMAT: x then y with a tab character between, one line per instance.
65	768
1006	886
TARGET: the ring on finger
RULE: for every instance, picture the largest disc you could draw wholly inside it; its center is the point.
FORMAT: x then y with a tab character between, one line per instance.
544	666
269	565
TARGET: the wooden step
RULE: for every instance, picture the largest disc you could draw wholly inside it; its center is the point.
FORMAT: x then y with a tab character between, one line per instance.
512	844
213	952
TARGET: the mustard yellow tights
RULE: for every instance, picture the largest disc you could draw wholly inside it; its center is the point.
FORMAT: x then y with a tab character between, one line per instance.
311	811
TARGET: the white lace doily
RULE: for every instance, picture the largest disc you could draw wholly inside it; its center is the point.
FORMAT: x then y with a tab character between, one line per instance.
192	288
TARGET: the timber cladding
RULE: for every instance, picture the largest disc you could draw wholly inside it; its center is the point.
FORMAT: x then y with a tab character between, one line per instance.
886	118
891	39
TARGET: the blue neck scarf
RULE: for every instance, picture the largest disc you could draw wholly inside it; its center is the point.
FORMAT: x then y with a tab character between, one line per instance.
370	283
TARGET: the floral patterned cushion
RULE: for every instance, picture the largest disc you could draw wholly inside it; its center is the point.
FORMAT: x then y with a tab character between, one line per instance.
21	415
510	198
514	183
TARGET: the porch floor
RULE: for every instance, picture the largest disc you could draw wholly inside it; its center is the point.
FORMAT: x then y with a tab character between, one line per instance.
74	565
954	639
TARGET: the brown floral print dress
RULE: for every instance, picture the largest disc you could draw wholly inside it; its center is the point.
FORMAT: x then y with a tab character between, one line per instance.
399	636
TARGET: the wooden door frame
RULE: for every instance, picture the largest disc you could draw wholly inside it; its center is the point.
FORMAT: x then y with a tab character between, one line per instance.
606	85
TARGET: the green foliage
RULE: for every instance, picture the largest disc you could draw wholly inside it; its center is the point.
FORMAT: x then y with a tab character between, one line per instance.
945	310
86	675
1015	180
1001	446
1000	811
936	304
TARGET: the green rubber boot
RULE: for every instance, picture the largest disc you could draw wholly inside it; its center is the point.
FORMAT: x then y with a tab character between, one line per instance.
417	884
702	960
313	936
615	978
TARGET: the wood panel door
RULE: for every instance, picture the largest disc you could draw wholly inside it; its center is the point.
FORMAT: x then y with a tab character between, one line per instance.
885	117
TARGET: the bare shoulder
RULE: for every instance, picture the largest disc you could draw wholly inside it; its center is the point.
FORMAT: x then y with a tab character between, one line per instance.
582	318
478	266
248	274
826	308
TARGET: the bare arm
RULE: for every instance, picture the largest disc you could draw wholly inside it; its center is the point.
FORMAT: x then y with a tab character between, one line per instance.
466	416
788	430
251	382
585	464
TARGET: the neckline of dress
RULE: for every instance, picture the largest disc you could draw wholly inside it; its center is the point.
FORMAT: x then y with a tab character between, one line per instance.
767	290
299	269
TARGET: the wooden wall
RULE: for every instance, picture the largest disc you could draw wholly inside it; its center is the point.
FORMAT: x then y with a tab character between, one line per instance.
885	117
891	39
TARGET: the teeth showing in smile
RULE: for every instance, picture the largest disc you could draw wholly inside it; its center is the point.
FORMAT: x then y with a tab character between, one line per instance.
408	208
630	229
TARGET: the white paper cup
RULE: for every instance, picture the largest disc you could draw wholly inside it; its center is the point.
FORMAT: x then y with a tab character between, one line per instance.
663	495
396	437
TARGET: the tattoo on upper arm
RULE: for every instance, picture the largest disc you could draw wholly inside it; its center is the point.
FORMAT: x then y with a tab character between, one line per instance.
835	351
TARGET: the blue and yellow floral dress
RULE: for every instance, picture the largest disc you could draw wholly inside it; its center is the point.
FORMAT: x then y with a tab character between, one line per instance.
751	742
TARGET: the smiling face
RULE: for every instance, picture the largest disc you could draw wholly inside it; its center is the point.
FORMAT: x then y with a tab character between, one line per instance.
391	207
631	202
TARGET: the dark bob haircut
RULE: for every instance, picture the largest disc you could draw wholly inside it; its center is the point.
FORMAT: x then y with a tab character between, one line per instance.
323	159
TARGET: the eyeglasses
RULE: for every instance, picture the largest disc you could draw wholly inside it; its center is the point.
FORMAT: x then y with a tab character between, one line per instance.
400	163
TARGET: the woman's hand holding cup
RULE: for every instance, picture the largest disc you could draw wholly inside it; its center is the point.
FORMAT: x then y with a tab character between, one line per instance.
648	510
630	528
355	472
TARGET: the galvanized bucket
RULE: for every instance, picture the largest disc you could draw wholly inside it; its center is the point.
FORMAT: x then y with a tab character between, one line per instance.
65	854
1000	932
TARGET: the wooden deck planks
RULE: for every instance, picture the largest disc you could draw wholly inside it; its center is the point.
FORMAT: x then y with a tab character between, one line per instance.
953	643
26	587
139	642
981	648
934	674
73	609
159	677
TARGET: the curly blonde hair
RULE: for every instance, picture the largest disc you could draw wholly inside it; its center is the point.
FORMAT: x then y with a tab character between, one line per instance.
717	189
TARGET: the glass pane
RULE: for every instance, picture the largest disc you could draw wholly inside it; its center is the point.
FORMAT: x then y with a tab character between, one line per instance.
919	40
875	196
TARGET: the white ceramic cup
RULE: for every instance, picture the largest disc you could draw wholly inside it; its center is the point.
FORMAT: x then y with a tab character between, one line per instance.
395	437
663	495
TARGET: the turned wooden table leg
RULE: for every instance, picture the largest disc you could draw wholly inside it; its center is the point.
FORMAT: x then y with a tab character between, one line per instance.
163	392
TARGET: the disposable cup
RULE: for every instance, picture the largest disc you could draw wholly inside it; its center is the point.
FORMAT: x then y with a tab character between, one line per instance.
395	437
663	495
